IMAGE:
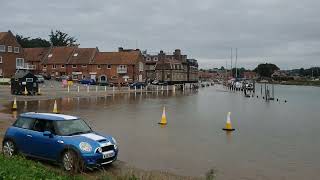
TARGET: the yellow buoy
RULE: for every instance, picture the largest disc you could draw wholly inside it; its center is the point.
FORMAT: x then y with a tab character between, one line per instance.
55	108
25	91
14	105
228	123
163	118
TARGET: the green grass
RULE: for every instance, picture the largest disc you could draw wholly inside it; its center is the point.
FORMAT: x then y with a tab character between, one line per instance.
20	168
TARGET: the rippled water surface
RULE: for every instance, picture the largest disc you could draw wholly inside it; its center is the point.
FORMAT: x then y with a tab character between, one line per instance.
273	140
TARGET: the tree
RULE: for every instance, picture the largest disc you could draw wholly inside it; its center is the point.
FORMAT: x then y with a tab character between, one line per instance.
26	42
59	38
266	70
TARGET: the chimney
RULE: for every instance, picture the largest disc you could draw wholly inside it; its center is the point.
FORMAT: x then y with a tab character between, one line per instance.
177	54
120	49
161	55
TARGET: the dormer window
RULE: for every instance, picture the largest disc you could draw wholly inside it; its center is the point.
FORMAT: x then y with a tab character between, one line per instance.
50	55
148	59
75	54
155	58
74	66
16	50
44	66
62	66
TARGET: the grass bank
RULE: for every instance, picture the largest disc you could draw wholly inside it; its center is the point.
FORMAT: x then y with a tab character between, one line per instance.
19	167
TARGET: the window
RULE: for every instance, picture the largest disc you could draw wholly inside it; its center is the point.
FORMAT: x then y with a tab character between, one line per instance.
9	48
140	66
50	55
109	66
99	66
19	62
74	66
70	127
0	72
54	66
43	125
44	66
29	79
2	48
0	59
148	59
75	54
25	123
155	58
84	65
16	49
62	66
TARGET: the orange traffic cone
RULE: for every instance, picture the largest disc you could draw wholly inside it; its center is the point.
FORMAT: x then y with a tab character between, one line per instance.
228	123
163	118
55	107
14	105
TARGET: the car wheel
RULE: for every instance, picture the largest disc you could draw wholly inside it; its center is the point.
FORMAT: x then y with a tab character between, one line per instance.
71	161
9	148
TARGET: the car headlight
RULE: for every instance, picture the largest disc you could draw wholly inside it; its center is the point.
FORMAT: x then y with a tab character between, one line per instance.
99	149
84	146
114	140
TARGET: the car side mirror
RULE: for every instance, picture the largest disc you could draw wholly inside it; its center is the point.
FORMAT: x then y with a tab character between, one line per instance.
47	133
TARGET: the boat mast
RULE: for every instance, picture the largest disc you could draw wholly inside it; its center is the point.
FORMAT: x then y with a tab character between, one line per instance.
236	62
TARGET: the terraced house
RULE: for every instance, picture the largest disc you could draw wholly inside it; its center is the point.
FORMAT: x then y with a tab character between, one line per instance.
11	55
120	67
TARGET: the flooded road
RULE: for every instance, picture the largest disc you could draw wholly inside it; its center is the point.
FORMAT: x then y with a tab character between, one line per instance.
273	140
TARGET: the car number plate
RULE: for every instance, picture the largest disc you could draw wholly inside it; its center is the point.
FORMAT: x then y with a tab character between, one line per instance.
108	154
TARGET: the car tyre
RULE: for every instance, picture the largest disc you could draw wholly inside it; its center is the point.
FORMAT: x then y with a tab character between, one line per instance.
71	162
9	148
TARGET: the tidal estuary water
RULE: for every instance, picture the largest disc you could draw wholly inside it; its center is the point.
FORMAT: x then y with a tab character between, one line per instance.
273	140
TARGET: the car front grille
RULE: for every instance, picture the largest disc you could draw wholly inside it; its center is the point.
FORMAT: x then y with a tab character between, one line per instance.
107	148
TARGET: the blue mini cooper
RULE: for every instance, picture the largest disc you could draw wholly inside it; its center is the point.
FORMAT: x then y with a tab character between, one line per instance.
64	139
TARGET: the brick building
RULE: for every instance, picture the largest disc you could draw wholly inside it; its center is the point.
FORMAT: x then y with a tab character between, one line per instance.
54	63
172	68
78	64
119	67
11	55
35	56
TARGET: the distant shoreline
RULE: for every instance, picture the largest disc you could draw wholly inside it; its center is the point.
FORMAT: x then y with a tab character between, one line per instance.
298	83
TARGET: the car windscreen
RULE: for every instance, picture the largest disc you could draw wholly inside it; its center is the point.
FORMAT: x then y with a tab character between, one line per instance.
72	127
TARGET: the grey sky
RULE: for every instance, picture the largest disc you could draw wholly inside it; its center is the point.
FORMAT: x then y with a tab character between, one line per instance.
284	32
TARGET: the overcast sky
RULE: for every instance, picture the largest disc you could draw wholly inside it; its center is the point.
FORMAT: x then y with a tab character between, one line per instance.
284	32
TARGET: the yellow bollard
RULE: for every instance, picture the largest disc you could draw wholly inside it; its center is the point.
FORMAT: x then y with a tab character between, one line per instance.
25	91
55	108
163	117
14	106
228	123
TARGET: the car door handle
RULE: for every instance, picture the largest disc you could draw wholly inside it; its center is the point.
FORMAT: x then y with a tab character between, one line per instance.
29	135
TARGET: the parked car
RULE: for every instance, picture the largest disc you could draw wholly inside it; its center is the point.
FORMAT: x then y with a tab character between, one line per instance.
138	85
88	81
46	76
63	139
40	78
63	77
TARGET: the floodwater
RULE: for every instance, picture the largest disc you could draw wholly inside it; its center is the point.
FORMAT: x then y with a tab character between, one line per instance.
273	140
